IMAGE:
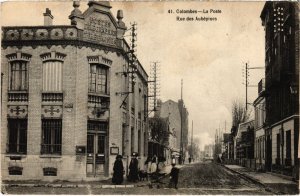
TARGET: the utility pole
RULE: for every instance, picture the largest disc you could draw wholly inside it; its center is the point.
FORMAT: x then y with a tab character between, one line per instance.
181	127
129	71
247	68
246	83
192	153
154	85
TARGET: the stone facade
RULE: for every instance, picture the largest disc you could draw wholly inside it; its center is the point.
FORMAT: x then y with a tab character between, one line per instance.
91	126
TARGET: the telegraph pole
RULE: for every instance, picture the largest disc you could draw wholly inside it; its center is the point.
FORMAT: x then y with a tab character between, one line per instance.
181	127
192	153
246	83
154	85
247	68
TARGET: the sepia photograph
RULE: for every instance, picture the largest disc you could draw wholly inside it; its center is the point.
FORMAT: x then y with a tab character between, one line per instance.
149	97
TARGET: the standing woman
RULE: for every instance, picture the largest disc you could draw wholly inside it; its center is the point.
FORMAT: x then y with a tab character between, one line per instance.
133	168
118	171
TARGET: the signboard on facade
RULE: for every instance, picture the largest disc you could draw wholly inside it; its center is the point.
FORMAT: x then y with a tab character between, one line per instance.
100	29
114	150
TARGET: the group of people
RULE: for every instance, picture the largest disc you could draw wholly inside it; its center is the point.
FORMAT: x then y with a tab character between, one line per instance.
151	170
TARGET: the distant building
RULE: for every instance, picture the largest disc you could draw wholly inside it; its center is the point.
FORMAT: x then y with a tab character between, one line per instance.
245	143
281	24
209	151
227	139
173	111
65	115
259	123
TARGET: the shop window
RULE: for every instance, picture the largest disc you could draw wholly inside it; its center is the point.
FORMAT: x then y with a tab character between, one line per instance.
17	136
51	136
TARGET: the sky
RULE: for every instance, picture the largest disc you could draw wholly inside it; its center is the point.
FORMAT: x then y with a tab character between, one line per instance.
208	55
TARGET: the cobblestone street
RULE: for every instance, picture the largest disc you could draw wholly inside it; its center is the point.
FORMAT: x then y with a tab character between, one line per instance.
198	178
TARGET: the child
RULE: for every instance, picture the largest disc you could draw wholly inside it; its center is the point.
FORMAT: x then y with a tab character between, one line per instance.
174	176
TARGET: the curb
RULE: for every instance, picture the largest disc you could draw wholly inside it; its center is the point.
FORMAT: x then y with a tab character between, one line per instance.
75	185
245	176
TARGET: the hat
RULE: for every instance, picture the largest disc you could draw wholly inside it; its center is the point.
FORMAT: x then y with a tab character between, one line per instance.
134	154
119	156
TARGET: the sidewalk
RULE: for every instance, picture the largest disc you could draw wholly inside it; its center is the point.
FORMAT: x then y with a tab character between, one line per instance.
276	183
92	184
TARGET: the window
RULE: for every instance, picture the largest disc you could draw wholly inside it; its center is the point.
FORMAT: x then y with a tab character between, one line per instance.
263	148
139	142
51	136
90	143
50	171
124	140
288	144
101	144
278	145
18	76
52	76
97	126
15	170
17	136
132	139
98	79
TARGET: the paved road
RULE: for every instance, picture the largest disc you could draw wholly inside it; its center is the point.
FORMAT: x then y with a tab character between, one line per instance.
198	178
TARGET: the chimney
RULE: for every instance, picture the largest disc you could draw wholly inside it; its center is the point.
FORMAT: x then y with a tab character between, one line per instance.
48	18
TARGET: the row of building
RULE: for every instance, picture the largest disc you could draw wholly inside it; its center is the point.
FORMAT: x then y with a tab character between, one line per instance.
270	142
73	97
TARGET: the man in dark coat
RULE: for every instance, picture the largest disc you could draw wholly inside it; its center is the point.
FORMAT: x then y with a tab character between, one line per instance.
133	168
118	171
174	176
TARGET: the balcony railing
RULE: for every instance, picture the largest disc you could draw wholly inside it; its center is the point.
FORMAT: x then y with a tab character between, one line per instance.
52	97
18	96
102	100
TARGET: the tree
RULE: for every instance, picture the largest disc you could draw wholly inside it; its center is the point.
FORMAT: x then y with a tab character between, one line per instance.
239	114
160	130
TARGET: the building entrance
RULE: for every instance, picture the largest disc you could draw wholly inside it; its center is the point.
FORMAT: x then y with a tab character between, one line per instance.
96	148
95	162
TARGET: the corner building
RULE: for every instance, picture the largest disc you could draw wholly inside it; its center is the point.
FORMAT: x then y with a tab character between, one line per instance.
73	97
